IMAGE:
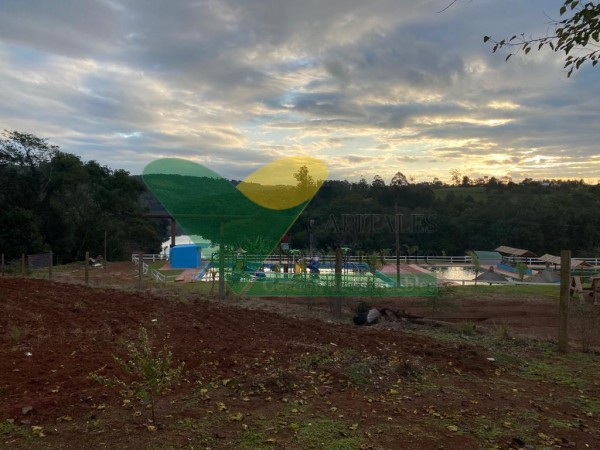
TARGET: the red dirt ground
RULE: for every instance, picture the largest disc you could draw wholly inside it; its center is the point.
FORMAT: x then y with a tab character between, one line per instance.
419	392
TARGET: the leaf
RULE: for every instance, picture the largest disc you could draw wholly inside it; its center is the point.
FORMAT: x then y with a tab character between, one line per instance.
486	38
509	55
563	9
238	417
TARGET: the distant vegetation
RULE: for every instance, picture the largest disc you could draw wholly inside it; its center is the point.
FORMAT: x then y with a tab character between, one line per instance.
542	216
52	200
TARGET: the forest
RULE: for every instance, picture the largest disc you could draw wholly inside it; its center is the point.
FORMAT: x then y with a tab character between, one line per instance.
52	200
435	218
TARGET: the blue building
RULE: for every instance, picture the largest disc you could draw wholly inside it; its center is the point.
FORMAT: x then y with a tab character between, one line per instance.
187	256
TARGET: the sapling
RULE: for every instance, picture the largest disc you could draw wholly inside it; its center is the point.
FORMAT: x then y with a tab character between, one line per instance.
147	373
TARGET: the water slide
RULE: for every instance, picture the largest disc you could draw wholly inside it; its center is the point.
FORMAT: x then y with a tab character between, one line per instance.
389	282
203	269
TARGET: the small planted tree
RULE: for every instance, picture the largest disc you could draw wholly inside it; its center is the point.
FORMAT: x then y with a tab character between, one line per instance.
476	264
146	373
521	270
375	261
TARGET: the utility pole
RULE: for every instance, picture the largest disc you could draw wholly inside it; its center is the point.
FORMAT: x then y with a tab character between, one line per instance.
397	223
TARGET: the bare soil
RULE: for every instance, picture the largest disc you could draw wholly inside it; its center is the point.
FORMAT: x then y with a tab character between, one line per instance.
255	378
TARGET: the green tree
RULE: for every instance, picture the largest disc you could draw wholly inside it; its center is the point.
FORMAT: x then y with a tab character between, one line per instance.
577	35
24	150
476	263
377	182
304	179
52	200
521	270
399	180
456	177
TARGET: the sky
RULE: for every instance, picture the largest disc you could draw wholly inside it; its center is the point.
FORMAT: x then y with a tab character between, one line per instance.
371	87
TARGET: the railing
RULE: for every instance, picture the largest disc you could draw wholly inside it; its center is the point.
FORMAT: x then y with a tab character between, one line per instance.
153	273
151	257
484	283
405	259
136	260
537	261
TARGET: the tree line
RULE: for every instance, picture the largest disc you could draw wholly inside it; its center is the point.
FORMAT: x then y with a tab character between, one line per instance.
52	200
436	218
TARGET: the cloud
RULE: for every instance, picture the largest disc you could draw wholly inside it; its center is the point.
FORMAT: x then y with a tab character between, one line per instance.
234	84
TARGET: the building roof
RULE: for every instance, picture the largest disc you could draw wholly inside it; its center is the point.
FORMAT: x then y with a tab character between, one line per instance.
487	256
515	251
545	276
548	258
198	245
488	275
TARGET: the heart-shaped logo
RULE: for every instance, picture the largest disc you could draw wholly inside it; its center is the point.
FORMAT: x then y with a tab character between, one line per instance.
251	217
249	220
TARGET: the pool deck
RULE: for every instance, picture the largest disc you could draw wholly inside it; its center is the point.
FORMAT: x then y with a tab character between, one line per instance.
405	268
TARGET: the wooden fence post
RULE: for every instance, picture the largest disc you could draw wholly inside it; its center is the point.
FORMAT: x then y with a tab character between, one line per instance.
565	284
2	265
22	264
141	271
87	268
50	261
337	299
105	260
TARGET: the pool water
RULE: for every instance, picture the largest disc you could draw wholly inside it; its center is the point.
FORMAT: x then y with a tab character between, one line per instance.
457	273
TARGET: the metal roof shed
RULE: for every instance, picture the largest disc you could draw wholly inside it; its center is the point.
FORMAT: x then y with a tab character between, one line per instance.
511	251
551	259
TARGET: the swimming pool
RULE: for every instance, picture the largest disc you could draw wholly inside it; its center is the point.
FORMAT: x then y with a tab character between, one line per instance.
455	273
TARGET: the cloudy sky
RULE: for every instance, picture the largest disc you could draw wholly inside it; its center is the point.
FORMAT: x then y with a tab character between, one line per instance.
372	87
